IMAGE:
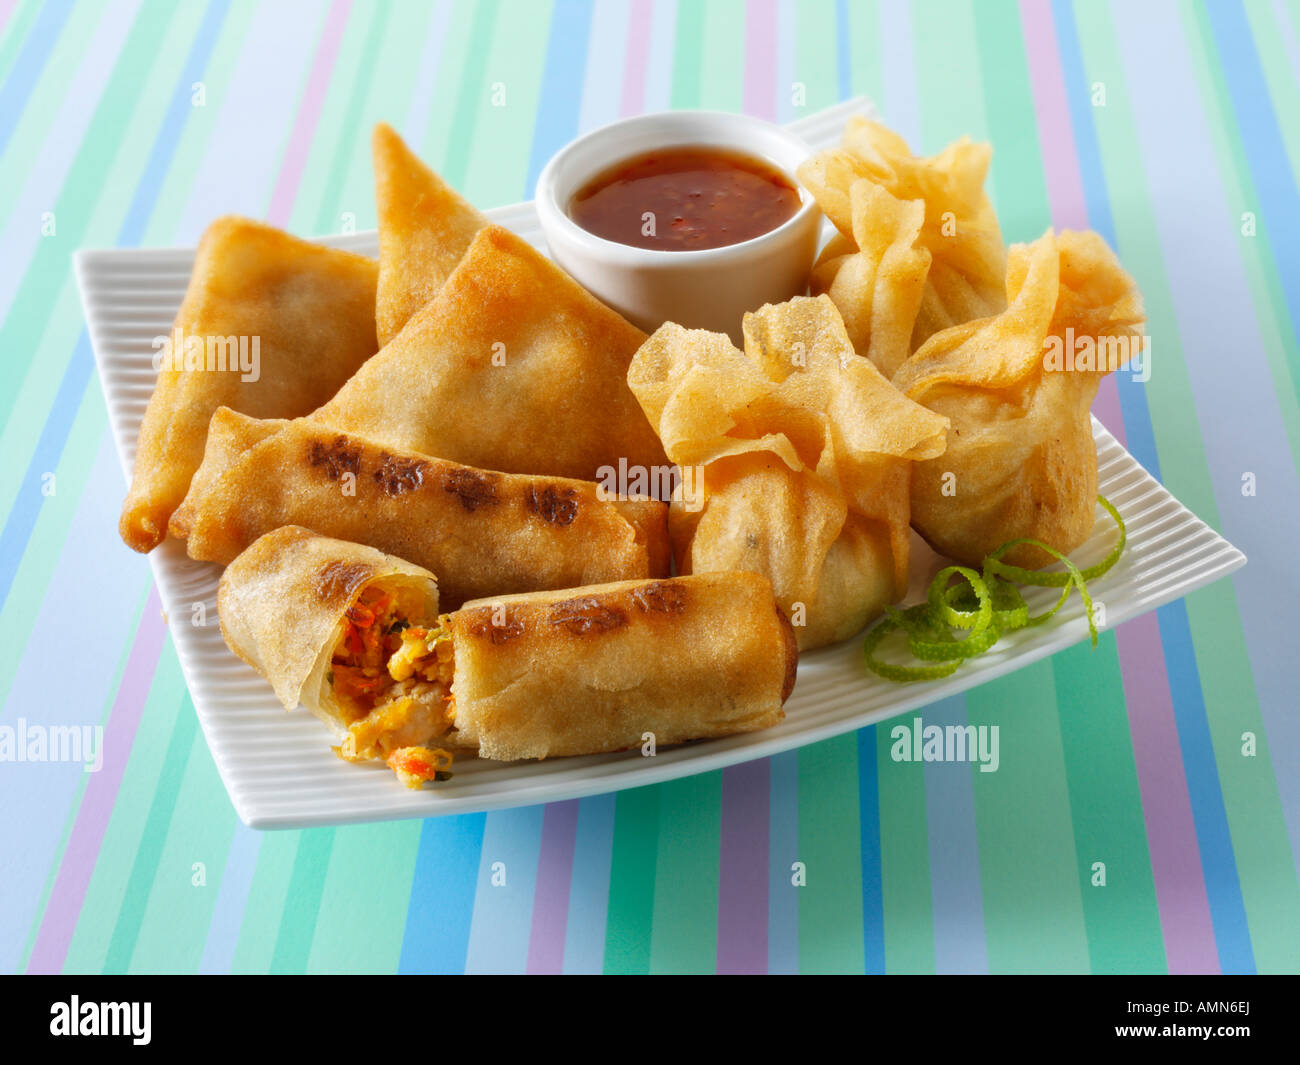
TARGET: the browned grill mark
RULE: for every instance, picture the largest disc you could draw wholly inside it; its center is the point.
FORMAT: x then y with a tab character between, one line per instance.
341	581
396	475
480	624
339	456
660	598
559	506
583	616
473	488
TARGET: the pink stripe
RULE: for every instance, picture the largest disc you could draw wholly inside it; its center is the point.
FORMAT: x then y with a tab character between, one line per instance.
6	9
64	907
640	26
760	59
313	99
1060	158
742	868
1166	806
551	895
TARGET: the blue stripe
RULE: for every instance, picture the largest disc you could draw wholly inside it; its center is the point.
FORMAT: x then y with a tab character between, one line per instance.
845	64
783	832
503	908
960	945
49	447
1213	838
232	899
873	894
438	918
1261	138
27	68
561	92
593	849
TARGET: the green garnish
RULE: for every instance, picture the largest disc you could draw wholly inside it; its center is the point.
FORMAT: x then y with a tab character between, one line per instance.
985	605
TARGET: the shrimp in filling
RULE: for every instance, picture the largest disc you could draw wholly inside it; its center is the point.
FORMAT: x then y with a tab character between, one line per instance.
391	679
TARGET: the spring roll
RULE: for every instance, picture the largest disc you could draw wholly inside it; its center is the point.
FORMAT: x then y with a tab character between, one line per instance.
481	532
589	670
341	629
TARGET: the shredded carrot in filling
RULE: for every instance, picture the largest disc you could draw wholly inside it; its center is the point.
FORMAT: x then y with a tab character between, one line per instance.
393	680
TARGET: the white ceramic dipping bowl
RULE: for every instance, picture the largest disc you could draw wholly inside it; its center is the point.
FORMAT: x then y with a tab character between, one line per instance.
708	289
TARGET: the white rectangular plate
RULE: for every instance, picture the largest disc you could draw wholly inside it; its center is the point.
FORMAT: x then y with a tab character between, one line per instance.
278	767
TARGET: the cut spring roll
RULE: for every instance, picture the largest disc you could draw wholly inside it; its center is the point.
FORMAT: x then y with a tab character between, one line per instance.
589	670
342	629
481	532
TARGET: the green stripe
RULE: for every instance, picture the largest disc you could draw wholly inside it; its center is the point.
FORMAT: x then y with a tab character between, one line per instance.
450	83
866	69
268	895
145	867
174	930
688	56
1122	917
685	922
306	884
722	74
516	60
1033	913
907	901
362	916
629	920
472	92
816	57
830	904
1248	785
1282	78
389	100
75	202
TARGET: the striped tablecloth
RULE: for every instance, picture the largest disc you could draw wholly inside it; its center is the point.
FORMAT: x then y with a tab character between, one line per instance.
1170	755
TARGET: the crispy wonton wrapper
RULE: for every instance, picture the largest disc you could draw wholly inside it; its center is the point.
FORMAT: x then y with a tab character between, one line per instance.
311	310
482	532
425	227
1017	388
960	229
513	366
588	670
806	451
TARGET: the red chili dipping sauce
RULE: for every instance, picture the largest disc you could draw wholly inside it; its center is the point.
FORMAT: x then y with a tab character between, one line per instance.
685	199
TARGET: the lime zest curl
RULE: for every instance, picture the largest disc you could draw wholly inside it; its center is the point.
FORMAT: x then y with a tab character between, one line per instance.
985	605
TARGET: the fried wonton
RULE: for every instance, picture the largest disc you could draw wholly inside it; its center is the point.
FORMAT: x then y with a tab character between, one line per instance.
425	226
1017	388
960	229
271	326
806	452
513	366
877	279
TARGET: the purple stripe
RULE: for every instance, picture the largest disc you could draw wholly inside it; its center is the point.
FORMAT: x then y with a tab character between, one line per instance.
551	894
1166	805
295	158
1061	159
64	907
760	59
743	868
6	9
640	28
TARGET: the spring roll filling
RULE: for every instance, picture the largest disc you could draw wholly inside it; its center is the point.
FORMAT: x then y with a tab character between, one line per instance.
392	678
